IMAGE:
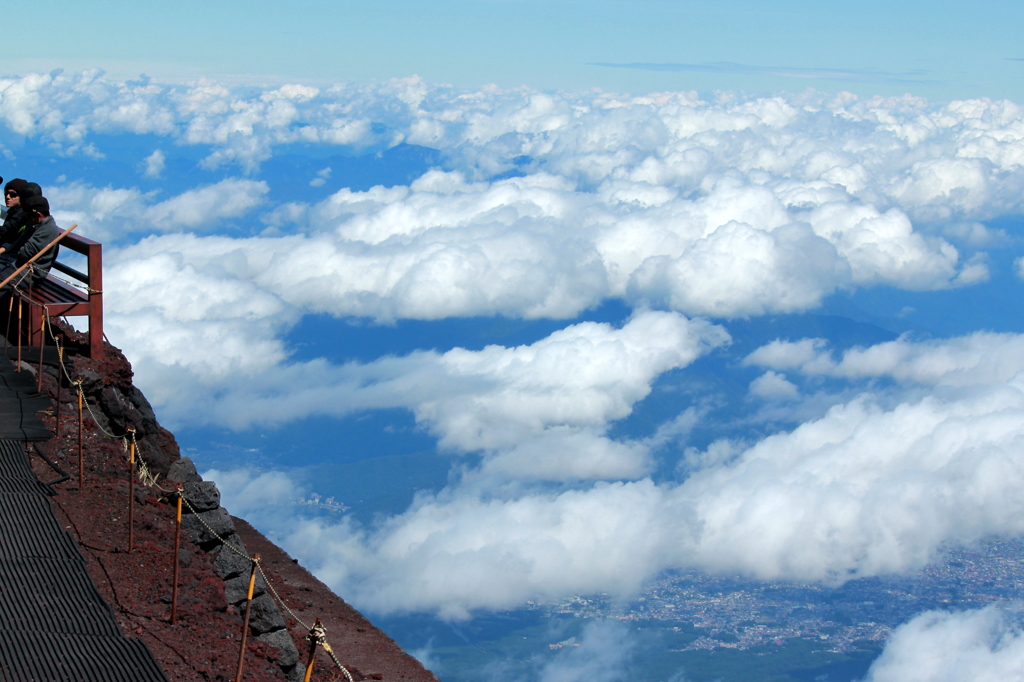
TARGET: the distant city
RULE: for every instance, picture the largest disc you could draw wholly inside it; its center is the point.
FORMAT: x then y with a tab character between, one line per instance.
736	613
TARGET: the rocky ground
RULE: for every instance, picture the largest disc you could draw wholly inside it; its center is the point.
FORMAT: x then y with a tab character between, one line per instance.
204	643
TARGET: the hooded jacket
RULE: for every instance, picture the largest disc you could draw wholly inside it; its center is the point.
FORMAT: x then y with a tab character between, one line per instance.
32	241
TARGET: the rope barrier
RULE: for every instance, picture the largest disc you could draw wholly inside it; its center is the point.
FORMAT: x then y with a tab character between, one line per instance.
133	449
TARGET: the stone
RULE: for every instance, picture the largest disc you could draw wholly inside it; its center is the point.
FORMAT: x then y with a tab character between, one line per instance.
237	589
96	414
228	564
264	615
120	412
147	418
288	655
183	471
217	521
202	495
91	381
155	454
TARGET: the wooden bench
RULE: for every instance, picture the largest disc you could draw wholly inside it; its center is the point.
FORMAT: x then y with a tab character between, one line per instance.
63	300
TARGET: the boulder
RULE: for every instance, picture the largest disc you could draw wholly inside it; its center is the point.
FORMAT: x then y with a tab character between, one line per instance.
228	564
217	527
183	471
237	589
264	615
282	641
202	495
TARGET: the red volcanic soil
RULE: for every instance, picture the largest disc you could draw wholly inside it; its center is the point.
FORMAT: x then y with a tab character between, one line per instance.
355	640
204	643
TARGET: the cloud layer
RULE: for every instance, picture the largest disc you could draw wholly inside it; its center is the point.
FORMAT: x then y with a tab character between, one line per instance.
729	208
875	486
543	206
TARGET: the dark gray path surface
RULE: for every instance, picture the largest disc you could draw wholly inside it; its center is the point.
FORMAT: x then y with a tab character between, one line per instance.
19	404
54	625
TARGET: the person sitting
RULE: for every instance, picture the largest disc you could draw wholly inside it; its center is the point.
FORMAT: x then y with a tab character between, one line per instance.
39	231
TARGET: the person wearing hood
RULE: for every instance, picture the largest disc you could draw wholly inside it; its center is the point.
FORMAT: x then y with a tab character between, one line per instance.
15	218
15	230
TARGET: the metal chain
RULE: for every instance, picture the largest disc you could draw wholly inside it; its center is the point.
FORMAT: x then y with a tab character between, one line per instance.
213	532
77	285
281	601
330	652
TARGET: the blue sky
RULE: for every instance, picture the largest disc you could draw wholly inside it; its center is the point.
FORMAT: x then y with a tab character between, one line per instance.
941	50
586	291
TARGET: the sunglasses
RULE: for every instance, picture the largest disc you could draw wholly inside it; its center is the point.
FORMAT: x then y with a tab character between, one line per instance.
11	194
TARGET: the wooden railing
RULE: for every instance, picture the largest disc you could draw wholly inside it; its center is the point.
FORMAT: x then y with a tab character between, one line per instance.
61	299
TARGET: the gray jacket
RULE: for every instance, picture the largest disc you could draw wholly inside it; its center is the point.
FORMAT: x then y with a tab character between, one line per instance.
32	242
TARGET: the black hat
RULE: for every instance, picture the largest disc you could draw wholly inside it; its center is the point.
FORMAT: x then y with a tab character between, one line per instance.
30	190
15	184
37	203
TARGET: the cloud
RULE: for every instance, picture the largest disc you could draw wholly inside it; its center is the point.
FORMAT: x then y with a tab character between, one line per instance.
603	654
206	206
535	247
113	214
545	206
867	489
982	358
773	386
537	412
153	165
321	177
971	646
746	206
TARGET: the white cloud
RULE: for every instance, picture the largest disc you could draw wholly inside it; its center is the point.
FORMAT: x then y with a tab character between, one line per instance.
321	178
206	206
938	646
774	386
734	208
864	490
602	654
537	412
111	214
524	247
933	161
980	358
153	165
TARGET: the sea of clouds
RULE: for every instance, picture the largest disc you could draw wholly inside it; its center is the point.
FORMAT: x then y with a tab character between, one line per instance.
691	211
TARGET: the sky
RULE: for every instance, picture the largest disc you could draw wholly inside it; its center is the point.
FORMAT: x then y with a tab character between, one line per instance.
557	296
941	50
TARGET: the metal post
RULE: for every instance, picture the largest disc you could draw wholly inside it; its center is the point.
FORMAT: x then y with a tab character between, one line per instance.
131	491
42	345
60	371
314	637
245	621
10	314
81	459
177	560
18	367
309	662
